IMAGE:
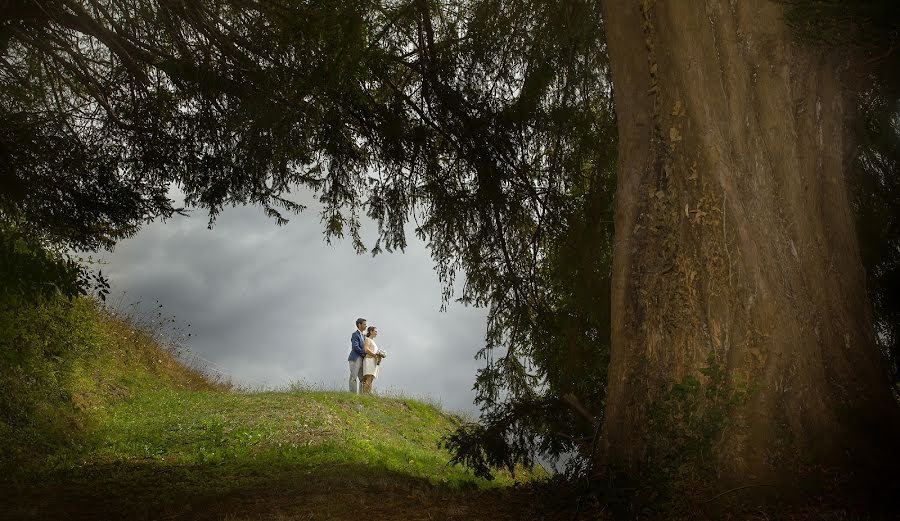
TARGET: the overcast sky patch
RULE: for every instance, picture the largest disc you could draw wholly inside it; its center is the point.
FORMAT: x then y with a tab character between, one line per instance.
274	305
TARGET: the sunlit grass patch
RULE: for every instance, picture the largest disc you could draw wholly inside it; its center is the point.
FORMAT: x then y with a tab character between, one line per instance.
307	429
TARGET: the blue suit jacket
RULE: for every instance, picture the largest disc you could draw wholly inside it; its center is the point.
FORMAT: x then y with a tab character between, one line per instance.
356	346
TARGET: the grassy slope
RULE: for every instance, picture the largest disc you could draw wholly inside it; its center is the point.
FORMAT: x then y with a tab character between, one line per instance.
157	439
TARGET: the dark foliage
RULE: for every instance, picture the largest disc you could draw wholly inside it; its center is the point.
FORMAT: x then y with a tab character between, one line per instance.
876	200
535	241
32	271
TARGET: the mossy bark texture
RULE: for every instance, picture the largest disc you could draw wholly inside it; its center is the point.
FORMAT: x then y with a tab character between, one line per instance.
735	237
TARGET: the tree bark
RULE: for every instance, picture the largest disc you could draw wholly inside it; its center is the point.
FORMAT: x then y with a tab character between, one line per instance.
735	242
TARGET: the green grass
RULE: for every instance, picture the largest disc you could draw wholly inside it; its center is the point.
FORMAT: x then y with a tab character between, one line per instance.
152	438
174	449
308	429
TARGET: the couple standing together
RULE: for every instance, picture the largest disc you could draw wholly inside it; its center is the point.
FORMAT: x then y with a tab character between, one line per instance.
364	357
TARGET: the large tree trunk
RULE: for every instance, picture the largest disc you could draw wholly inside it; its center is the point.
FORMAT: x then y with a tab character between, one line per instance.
735	244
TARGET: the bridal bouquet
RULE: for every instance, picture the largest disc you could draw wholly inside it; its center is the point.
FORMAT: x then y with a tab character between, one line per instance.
379	356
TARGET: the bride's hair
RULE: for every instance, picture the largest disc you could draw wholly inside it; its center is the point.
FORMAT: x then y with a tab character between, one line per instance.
369	330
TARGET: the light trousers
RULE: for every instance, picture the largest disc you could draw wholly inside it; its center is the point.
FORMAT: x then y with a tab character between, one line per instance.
356	374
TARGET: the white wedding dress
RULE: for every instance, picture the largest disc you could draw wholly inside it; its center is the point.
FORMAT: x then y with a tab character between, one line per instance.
370	364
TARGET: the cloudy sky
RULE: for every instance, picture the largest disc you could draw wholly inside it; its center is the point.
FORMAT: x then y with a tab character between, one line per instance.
274	305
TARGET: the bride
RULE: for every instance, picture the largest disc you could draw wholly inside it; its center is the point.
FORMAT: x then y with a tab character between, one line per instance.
370	363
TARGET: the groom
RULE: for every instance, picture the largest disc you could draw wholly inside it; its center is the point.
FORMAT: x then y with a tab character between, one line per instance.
357	354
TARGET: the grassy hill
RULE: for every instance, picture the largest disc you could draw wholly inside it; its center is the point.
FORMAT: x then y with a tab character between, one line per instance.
138	435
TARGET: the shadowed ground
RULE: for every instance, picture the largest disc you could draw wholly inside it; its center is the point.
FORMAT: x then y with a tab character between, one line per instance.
336	492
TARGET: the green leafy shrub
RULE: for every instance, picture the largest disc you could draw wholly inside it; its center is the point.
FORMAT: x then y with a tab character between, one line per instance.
688	422
32	270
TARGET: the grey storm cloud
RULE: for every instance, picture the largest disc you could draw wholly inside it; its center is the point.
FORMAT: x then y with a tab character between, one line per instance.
274	305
